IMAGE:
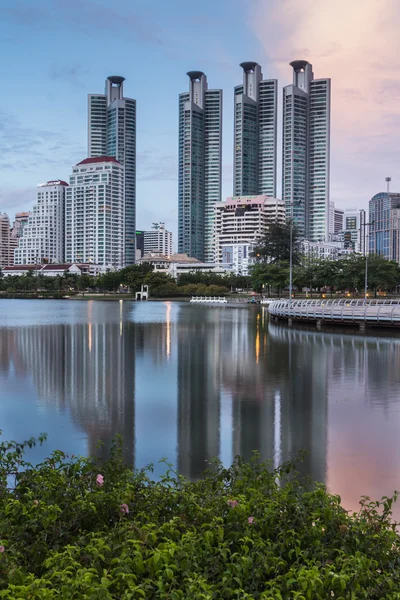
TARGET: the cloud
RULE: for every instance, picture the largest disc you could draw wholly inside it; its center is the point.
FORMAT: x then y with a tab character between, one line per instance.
70	74
154	166
86	16
28	148
15	200
355	43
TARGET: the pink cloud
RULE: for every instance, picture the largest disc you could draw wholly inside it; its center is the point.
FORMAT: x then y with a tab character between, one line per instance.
355	43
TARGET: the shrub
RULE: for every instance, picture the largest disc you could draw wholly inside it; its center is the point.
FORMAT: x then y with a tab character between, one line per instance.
72	528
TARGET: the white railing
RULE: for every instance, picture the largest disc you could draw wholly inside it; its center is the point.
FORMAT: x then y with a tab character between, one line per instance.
209	300
345	310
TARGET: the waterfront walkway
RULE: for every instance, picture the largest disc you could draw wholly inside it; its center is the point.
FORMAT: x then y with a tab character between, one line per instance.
378	313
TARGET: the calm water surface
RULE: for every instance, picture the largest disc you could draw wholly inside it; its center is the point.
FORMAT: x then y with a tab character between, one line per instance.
189	383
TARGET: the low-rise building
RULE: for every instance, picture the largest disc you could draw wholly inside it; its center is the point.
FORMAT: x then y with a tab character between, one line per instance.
240	222
177	264
323	250
54	270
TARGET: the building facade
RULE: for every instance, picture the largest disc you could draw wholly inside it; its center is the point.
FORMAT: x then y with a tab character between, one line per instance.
255	133
42	238
158	240
338	220
4	241
112	132
95	213
383	225
139	245
239	223
200	155
306	151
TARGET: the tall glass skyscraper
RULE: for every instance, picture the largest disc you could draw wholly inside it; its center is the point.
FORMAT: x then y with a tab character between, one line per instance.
255	133
112	132
306	151
200	150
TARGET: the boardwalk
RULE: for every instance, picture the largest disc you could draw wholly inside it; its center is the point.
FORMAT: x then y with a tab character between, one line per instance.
381	313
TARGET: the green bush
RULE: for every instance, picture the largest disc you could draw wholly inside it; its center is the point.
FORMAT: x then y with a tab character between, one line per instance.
72	528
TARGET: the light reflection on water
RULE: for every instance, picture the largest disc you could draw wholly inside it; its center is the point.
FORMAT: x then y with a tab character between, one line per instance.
191	382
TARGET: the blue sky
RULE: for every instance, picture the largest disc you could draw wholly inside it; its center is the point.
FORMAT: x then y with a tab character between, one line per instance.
55	52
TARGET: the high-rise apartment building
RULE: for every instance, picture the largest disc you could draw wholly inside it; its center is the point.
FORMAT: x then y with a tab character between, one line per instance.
338	220
255	133
4	241
158	240
239	223
95	213
200	151
21	219
112	132
43	235
384	225
306	151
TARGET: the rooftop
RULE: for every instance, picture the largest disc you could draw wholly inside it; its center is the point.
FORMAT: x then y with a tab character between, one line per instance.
53	182
195	74
298	65
248	66
117	79
98	159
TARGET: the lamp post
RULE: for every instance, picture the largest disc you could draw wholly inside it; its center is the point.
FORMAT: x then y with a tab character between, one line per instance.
366	260
291	249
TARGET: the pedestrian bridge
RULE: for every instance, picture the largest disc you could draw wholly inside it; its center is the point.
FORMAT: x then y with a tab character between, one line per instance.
383	313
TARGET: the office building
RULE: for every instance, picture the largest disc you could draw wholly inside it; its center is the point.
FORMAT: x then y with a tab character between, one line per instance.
95	212
353	231
255	133
199	180
112	132
240	222
306	151
139	245
338	214
158	240
42	237
384	209
4	241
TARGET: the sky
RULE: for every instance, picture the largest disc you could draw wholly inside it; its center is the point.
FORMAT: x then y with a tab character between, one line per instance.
55	52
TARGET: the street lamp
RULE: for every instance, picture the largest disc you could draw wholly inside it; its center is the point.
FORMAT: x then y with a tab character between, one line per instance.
297	203
366	259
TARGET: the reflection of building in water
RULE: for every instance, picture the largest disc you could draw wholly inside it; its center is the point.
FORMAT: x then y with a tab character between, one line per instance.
198	390
88	369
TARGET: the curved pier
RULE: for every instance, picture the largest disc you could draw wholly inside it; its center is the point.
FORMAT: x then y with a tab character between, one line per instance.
372	313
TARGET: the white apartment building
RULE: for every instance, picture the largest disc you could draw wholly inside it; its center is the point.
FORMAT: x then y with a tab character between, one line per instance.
323	250
95	212
158	240
239	223
43	235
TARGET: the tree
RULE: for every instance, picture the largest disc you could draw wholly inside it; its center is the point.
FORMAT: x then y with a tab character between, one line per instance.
275	246
273	275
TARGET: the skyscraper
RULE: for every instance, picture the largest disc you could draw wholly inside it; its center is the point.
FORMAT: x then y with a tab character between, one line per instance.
255	133
306	151
200	149
43	235
4	240
94	213
112	132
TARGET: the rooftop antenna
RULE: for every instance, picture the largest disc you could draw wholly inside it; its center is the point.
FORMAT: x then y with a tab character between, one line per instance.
388	180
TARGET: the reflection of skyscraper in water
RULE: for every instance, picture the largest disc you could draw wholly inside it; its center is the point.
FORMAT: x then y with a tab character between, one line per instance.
198	390
304	395
87	369
243	340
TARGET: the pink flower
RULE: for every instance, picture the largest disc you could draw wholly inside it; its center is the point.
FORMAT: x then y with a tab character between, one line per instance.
2	549
233	503
250	520
100	480
124	509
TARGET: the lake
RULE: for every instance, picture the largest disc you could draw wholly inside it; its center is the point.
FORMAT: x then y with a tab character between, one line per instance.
189	383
